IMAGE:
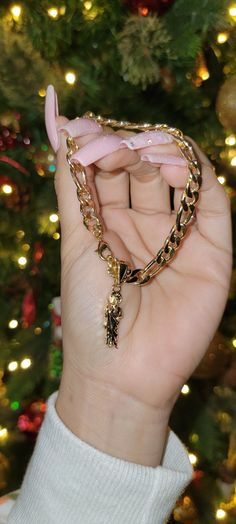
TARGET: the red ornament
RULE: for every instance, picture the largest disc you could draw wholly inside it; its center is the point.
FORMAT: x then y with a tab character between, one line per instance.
146	7
30	421
28	309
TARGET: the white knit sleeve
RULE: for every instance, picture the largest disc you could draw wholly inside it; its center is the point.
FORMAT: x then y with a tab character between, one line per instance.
69	482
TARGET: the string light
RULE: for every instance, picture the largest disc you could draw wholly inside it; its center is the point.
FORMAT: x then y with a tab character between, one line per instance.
221	514
70	77
54	218
233	161
16	11
12	366
56	236
194	438
222	38
204	73
22	261
221	179
42	92
53	12
20	234
230	140
185	389
193	459
26	247
234	342
88	5
232	11
15	405
3	433
7	189
25	363
13	324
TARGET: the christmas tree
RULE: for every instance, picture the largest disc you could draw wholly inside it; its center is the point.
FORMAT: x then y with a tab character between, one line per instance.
171	61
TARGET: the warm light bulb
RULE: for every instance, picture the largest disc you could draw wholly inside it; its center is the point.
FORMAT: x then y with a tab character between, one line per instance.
13	324
12	366
221	514
222	38
70	77
53	218
16	11
185	389
88	5
25	363
7	189
56	236
53	12
221	179
232	11
20	234
22	261
234	342
193	459
3	433
230	140
204	74
233	161
42	92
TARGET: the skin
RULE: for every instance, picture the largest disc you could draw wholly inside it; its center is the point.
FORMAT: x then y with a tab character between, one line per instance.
120	400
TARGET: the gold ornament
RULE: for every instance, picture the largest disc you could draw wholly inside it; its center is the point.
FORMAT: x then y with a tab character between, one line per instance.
120	270
185	510
226	104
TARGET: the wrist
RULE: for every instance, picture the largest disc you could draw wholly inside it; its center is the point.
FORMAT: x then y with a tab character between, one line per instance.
111	421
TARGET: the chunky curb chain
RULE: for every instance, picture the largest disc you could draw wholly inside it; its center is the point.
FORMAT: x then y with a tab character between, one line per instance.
184	216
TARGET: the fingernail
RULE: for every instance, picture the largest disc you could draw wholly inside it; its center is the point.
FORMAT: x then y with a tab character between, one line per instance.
148	138
81	126
164	159
98	148
51	112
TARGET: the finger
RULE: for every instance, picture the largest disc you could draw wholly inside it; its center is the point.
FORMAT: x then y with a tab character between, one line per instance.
150	193
69	209
110	158
212	209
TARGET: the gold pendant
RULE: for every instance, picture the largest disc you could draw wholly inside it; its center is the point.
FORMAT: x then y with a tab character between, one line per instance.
113	311
113	314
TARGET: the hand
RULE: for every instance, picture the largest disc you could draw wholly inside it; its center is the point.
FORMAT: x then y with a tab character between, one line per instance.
168	324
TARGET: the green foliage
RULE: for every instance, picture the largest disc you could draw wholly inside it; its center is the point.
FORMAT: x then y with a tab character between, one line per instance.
143	42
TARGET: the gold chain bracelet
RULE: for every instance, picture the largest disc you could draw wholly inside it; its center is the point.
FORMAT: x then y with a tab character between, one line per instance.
118	269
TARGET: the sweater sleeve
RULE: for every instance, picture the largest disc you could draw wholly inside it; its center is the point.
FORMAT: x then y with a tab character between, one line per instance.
69	482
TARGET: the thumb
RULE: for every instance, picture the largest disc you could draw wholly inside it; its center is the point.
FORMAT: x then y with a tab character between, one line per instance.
68	205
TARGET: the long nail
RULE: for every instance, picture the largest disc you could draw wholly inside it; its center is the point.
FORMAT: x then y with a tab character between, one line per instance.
81	126
51	112
98	148
148	138
164	159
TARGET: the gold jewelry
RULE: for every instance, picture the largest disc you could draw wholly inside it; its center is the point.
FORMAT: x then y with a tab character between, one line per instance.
118	269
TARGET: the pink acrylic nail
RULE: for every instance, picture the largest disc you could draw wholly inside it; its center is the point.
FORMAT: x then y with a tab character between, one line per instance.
147	139
51	112
164	159
98	148
81	126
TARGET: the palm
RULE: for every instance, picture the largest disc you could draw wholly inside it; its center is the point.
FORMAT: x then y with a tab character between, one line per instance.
167	324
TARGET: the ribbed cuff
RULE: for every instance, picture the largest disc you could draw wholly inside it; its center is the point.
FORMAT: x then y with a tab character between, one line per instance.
69	482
